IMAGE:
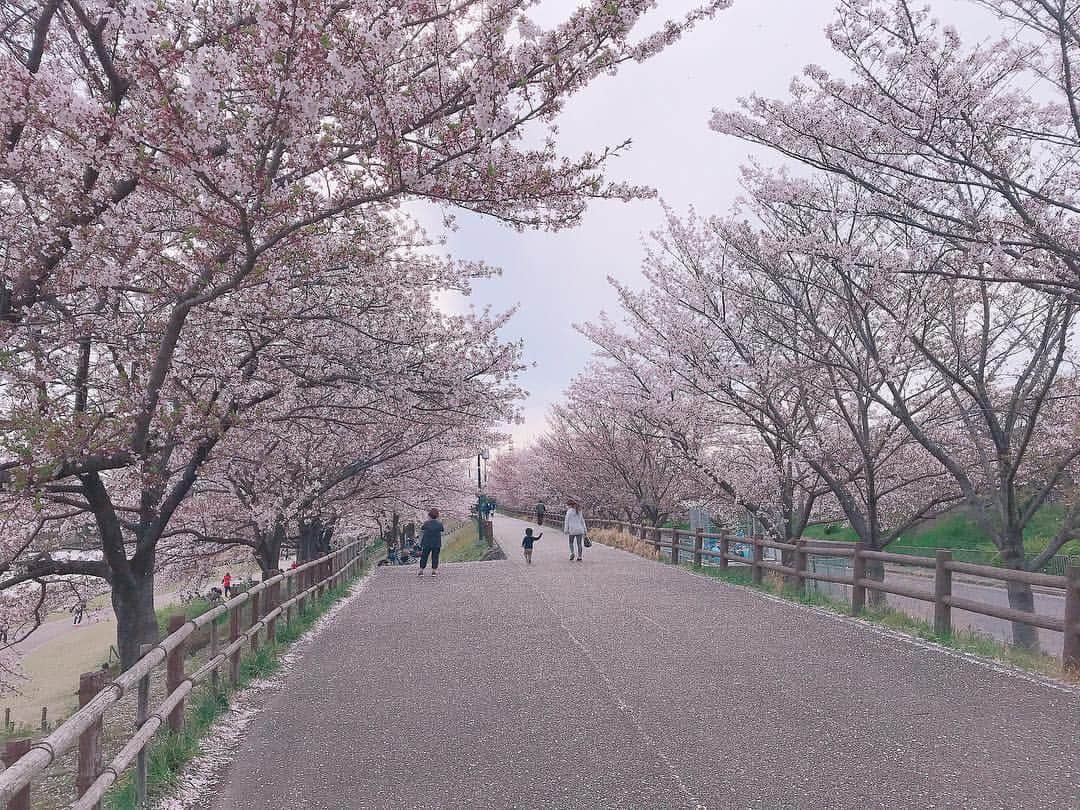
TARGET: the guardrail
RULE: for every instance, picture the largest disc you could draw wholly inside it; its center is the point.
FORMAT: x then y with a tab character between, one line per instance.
26	759
942	565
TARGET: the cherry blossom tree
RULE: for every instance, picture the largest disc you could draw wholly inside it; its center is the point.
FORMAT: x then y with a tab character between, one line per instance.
725	400
974	378
517	478
605	448
733	317
974	145
184	184
335	361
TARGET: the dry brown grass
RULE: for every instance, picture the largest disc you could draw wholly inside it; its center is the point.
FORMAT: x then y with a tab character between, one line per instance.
624	540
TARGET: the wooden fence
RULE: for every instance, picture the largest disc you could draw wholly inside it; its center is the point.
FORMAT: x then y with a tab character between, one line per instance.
26	759
690	546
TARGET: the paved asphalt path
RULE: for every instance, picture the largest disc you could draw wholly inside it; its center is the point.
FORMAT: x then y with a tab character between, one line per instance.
621	683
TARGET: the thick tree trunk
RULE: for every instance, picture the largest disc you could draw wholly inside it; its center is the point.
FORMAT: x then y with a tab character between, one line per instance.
1022	598
136	622
787	559
875	570
316	537
268	554
308	545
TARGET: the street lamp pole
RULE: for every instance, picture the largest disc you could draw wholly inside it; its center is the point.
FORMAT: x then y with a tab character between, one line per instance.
480	496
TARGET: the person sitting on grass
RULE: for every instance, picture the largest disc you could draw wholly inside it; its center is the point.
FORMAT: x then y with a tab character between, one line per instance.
527	544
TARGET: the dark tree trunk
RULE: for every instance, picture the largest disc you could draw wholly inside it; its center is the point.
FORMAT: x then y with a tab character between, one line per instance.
308	541
875	570
136	622
315	539
787	559
131	581
268	553
1021	598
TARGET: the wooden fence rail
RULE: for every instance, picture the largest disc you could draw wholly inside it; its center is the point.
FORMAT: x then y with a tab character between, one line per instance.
679	542
24	760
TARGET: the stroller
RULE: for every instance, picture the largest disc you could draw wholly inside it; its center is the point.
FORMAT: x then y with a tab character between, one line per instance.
402	557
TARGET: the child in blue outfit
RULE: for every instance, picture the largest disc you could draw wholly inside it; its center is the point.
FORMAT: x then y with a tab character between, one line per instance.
527	544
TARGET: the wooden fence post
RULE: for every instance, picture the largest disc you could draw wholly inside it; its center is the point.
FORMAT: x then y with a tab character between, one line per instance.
942	590
858	574
699	544
800	565
757	553
674	546
1070	657
272	603
214	646
174	672
655	538
142	712
255	616
89	764
234	634
13	749
725	547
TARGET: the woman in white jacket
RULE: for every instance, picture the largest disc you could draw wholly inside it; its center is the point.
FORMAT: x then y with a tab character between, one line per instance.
574	526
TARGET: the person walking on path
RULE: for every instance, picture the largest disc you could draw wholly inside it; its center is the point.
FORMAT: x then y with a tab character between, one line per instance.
540	509
574	527
527	544
431	532
226	583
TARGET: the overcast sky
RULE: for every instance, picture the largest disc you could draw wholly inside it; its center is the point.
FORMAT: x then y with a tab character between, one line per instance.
664	105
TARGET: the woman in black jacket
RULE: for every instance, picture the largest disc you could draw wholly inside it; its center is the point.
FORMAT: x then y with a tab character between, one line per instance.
431	532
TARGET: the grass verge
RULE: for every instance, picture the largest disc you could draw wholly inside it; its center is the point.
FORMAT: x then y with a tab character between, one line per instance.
464	545
168	755
958	530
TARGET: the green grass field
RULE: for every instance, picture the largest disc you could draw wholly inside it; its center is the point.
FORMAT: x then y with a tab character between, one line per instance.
464	545
957	530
